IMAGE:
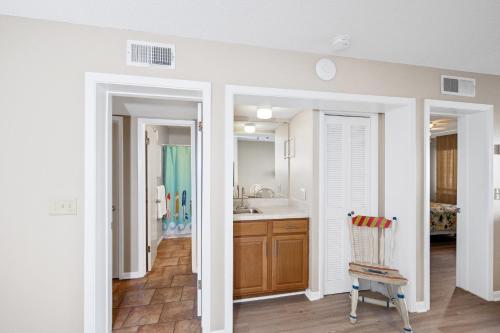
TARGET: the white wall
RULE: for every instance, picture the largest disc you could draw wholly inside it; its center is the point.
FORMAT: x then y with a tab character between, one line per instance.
173	135
281	164
44	96
301	165
179	136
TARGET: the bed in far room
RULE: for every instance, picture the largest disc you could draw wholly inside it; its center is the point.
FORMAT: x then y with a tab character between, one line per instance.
443	219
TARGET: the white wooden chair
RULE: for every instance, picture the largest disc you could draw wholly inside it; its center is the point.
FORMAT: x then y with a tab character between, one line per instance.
372	246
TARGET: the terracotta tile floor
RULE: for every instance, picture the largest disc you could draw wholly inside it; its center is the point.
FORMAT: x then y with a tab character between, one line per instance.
162	302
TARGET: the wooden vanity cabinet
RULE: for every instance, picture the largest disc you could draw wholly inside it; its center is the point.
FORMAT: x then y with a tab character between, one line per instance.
270	257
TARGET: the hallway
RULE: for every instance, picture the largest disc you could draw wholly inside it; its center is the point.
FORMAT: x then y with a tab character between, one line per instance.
162	302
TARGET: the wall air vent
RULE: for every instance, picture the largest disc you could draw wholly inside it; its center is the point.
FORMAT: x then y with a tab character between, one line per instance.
458	86
147	54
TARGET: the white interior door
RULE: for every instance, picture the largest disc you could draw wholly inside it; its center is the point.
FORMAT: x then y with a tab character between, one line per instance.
117	171
474	190
348	172
154	179
197	248
147	144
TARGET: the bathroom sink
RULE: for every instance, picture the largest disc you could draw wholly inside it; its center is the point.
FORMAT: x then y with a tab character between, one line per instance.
247	211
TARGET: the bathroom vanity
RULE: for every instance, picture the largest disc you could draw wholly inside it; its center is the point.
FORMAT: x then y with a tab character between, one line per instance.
270	230
271	256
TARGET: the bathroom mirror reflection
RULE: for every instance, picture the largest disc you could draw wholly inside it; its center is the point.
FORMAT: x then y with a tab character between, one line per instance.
261	159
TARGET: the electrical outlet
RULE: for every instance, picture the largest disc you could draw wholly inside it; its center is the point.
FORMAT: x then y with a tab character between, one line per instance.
497	194
63	207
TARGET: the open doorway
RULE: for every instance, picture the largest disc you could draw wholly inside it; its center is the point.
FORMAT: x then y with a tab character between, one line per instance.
150	98
162	187
443	166
286	247
458	215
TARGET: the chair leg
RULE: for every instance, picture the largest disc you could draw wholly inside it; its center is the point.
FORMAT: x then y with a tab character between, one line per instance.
354	300
403	310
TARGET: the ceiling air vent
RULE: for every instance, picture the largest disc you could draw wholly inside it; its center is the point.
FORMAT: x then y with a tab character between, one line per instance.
458	86
147	54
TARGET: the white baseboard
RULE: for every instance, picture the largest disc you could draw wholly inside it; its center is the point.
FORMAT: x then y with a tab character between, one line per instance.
313	295
218	331
260	298
159	240
131	275
496	296
420	307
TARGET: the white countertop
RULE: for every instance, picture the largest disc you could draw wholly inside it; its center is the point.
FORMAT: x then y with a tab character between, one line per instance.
273	213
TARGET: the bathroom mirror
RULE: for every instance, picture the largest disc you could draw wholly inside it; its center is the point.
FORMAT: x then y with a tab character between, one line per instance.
261	159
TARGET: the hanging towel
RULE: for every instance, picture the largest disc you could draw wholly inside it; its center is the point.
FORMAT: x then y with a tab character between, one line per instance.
161	202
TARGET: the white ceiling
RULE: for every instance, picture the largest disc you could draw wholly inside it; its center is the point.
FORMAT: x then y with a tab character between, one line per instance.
261	128
249	112
154	108
452	34
443	125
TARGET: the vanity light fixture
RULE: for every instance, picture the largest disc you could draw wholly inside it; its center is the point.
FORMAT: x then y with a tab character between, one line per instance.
264	112
250	128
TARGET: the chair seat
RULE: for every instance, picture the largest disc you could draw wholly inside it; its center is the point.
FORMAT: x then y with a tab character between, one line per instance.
377	273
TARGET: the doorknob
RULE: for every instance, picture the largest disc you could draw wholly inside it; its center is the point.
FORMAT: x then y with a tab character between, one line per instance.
459	210
113	208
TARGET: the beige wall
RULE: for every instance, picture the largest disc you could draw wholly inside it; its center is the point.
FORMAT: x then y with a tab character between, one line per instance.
302	172
301	165
42	66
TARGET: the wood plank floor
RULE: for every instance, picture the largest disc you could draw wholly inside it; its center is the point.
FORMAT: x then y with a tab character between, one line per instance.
452	309
162	302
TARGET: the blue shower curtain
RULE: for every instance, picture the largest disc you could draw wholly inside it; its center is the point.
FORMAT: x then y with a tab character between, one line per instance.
176	162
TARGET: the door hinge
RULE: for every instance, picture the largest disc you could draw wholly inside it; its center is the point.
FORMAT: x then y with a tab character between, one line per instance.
147	140
148	248
200	126
199	284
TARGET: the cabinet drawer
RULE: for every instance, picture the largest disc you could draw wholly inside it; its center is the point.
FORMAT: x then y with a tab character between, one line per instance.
290	226
249	229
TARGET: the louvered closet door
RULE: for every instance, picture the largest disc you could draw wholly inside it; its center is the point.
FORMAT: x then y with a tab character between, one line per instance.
347	158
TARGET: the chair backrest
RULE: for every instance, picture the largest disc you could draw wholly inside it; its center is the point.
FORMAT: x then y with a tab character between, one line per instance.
372	239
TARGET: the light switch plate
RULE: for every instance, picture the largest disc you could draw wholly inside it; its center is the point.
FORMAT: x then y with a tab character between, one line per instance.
497	194
63	207
303	194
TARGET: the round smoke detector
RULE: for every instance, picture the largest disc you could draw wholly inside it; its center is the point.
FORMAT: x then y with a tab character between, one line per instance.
326	69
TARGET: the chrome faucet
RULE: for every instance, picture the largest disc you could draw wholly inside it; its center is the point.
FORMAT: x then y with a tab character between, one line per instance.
242	205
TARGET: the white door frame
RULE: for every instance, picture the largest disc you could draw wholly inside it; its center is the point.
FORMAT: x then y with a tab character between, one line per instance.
409	106
141	184
99	89
121	214
457	106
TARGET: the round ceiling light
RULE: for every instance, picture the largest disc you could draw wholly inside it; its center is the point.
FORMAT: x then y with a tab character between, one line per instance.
249	128
326	69
264	112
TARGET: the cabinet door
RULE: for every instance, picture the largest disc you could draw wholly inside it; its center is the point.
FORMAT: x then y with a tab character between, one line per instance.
290	262
250	265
